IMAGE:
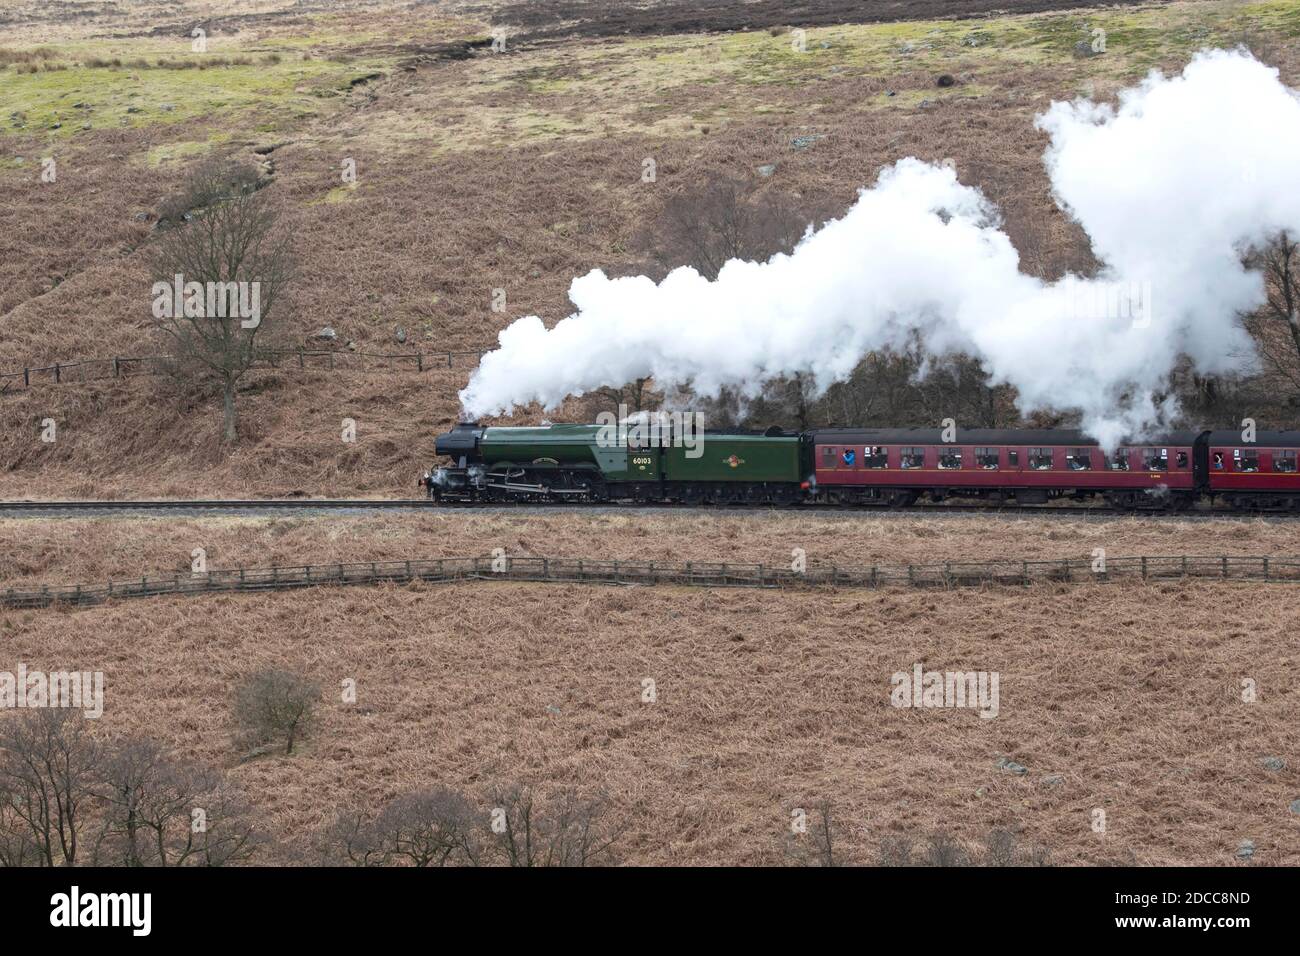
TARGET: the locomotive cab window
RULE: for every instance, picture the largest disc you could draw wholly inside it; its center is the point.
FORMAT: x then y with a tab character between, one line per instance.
1079	459
950	457
1284	460
912	458
1040	459
987	458
875	456
1245	460
1119	461
1155	459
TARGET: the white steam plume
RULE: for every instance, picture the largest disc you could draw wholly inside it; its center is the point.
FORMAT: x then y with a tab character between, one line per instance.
1170	186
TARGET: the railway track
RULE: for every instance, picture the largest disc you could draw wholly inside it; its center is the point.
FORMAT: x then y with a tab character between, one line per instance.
271	506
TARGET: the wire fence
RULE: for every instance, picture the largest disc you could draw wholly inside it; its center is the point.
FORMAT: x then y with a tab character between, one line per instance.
121	366
950	574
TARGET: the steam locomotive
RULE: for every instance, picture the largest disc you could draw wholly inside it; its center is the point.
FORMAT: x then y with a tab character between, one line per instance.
884	467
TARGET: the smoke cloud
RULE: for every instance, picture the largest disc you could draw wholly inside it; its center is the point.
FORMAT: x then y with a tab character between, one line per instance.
1171	185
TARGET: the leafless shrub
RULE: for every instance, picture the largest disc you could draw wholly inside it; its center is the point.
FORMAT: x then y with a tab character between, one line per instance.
817	846
567	832
48	762
1002	847
896	850
275	705
941	849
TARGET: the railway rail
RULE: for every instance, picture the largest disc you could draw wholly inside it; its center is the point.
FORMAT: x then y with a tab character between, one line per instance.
253	506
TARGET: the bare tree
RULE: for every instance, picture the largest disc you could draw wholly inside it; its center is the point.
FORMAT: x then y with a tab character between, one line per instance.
350	839
567	832
217	279
428	828
274	705
160	811
16	845
229	833
1281	267
47	773
723	219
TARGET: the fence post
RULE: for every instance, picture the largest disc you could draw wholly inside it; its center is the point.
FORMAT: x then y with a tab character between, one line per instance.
1224	560
874	579
911	577
116	369
1144	567
57	377
1024	572
27	377
1184	565
1266	569
448	360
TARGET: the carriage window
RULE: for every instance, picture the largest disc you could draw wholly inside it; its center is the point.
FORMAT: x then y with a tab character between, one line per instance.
849	458
875	456
1155	459
830	455
1284	460
1013	457
950	457
1245	459
912	458
1119	461
1040	459
987	458
1181	461
1079	459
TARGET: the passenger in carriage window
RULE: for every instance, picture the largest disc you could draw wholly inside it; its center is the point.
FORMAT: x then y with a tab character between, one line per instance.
850	456
1218	461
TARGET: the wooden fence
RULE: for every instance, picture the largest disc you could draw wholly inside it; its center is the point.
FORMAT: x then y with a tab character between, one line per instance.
99	369
693	573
